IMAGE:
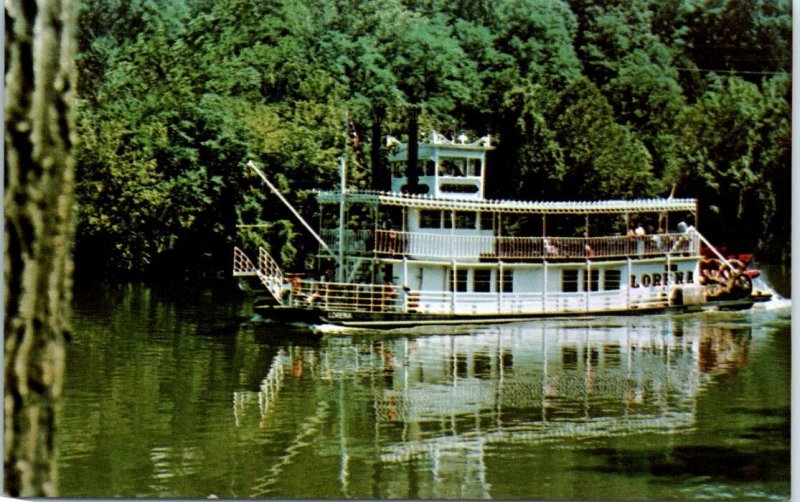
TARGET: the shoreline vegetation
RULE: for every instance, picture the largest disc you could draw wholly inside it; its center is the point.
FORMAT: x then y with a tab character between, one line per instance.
584	99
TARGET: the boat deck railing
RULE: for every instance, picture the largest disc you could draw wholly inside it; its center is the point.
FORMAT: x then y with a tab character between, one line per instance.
392	243
345	297
374	298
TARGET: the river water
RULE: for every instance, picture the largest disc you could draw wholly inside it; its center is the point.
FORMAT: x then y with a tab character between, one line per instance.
170	391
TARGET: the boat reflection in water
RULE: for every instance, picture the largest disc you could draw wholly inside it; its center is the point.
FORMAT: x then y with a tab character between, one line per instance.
445	404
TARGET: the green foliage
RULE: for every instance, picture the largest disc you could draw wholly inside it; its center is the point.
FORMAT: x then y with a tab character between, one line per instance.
585	99
734	157
606	159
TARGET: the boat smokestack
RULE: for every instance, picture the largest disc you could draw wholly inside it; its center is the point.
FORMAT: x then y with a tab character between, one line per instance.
412	176
380	175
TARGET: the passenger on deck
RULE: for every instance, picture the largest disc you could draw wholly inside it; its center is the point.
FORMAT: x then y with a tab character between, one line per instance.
286	291
389	294
549	249
290	288
640	233
656	238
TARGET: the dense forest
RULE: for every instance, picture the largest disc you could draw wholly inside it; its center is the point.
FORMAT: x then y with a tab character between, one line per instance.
585	99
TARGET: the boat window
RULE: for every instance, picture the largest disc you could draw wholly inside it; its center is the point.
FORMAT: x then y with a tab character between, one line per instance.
398	169
465	219
451	167
461	280
473	167
430	219
458	188
422	167
483	281
506	281
487	222
569	281
593	276
611	279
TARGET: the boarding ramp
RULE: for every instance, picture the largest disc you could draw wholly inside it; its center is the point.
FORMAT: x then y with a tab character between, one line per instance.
268	272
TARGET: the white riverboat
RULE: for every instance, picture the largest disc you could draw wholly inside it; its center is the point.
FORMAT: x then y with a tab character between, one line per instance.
445	254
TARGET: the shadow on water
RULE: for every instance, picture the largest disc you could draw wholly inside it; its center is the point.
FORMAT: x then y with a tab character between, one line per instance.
719	463
275	334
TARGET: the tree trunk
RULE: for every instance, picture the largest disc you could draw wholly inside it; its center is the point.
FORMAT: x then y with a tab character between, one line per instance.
39	172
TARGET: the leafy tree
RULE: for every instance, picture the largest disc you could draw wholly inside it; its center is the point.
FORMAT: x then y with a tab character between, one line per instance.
585	99
744	35
734	151
605	159
774	207
538	34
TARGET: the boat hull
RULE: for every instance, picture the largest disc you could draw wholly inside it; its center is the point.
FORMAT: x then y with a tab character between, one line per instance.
385	320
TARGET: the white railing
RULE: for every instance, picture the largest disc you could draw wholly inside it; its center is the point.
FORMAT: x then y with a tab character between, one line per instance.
355	241
347	297
533	303
270	273
649	297
267	270
376	298
241	264
420	244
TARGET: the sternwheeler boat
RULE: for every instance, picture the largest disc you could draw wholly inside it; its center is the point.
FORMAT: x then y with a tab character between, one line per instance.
442	253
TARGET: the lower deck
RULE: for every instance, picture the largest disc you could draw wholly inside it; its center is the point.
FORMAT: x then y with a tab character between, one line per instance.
440	290
451	288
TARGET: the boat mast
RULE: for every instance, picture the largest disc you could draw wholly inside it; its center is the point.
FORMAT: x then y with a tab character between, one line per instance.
343	176
280	196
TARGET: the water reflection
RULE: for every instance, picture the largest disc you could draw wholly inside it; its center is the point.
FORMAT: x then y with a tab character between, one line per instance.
168	394
442	401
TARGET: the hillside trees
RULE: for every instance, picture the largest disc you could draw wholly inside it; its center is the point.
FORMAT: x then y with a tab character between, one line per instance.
732	159
585	99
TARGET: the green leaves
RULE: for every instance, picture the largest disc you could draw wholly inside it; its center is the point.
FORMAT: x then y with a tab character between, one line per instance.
584	99
734	147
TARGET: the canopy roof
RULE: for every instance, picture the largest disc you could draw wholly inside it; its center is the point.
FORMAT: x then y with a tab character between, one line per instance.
510	206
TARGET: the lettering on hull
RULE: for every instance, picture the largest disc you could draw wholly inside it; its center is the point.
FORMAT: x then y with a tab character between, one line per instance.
656	279
340	315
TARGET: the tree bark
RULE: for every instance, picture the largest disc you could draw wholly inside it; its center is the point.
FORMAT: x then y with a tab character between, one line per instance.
39	176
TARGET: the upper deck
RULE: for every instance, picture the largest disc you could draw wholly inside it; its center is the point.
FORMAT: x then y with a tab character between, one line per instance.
430	246
412	201
447	168
452	219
